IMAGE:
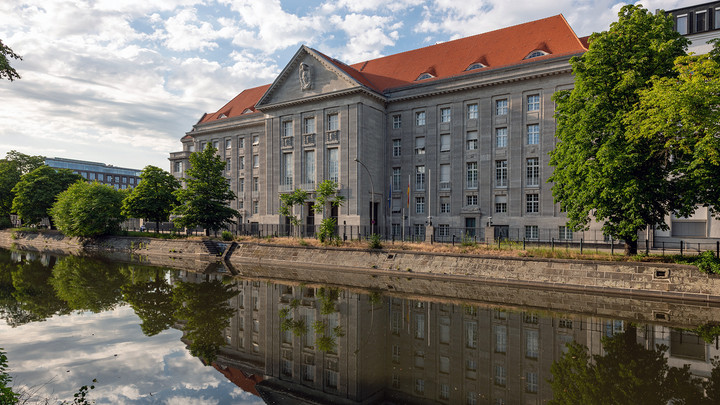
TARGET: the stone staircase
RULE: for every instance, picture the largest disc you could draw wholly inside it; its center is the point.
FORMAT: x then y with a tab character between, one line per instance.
211	247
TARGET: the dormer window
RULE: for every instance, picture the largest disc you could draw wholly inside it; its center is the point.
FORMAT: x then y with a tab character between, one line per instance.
424	76
475	66
247	111
536	53
222	116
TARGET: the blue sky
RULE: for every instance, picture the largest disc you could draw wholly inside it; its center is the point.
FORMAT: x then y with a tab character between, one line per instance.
121	81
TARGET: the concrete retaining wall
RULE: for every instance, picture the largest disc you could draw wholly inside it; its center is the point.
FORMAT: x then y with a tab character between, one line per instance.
638	279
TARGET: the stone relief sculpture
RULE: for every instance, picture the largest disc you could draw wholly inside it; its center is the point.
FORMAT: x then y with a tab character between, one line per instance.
305	77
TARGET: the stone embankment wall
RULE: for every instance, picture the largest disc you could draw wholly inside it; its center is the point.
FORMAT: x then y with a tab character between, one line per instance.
668	281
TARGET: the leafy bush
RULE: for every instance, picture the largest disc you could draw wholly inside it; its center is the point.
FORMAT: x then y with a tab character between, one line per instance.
227	236
708	263
7	396
468	240
374	242
326	233
88	210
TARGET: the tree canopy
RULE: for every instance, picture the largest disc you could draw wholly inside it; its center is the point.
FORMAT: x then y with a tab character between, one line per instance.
205	198
7	71
88	210
36	191
153	198
680	114
12	168
599	171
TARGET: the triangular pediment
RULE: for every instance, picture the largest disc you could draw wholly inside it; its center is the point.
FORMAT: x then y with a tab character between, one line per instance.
309	75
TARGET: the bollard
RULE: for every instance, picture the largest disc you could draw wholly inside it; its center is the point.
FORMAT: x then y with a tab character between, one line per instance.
681	248
581	245
523	243
612	246
552	244
717	249
647	247
453	241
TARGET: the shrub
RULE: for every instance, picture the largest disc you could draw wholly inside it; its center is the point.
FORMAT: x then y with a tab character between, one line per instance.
468	240
227	236
326	233
374	242
708	263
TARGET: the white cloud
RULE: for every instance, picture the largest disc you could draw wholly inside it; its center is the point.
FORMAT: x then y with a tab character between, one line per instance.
367	35
185	32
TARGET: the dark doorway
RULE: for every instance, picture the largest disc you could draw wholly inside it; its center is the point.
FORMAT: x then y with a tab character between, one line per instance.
502	232
310	227
470	227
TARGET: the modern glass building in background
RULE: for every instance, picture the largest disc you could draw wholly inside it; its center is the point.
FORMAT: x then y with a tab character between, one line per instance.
119	177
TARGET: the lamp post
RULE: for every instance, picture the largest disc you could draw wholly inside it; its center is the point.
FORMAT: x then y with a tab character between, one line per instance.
372	197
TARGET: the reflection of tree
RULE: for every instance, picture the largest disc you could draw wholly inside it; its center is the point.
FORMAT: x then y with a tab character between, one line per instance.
207	312
151	296
627	373
87	284
34	292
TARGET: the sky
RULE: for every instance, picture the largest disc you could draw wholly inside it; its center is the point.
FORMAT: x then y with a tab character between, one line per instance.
121	81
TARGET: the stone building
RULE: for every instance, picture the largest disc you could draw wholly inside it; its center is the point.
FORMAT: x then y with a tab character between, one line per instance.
119	177
455	135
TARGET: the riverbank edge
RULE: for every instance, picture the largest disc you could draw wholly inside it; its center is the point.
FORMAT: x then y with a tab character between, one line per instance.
656	280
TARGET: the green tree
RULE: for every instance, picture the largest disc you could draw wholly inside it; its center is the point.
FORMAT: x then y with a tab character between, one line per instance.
153	198
327	194
88	285
34	291
12	168
288	201
88	210
36	191
204	201
598	170
627	373
151	296
206	310
7	71
681	115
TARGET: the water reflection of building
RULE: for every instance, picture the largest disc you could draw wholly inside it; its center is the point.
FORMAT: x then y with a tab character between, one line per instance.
407	350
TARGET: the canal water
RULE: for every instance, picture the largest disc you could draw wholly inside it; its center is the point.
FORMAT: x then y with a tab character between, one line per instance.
161	335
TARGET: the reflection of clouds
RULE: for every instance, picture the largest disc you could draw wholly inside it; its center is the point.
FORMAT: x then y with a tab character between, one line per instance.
60	355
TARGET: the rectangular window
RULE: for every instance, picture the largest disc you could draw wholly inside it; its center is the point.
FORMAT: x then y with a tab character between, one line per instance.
101	176
310	167
177	167
397	121
420	118
333	122
471	398
241	163
396	354
419	386
444	330
92	175
717	18
419	326
420	178
287	169
444	389
396	148
500	375
419	205
472	111
256	184
256	206
531	382
532	203
396	179
256	161
700	21
500	204
532	345
396	229
471	175
565	232
471	200
445	176
500	338
501	173
444	230
531	232
533	102
444	142
471	334
309	125
472	140
533	134
501	137
333	165
531	318
532	172
241	143
420	145
501	107
241	185
216	144
203	145
256	140
395	381
395	317
445	114
681	24
228	143
287	129
228	163
444	205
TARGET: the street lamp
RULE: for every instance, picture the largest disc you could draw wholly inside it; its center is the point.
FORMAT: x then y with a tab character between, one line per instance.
372	197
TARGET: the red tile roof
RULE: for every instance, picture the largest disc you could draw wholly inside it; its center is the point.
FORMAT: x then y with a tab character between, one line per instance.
500	48
238	377
243	101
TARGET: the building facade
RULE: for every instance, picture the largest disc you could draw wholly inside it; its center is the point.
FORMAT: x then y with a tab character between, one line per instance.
119	177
